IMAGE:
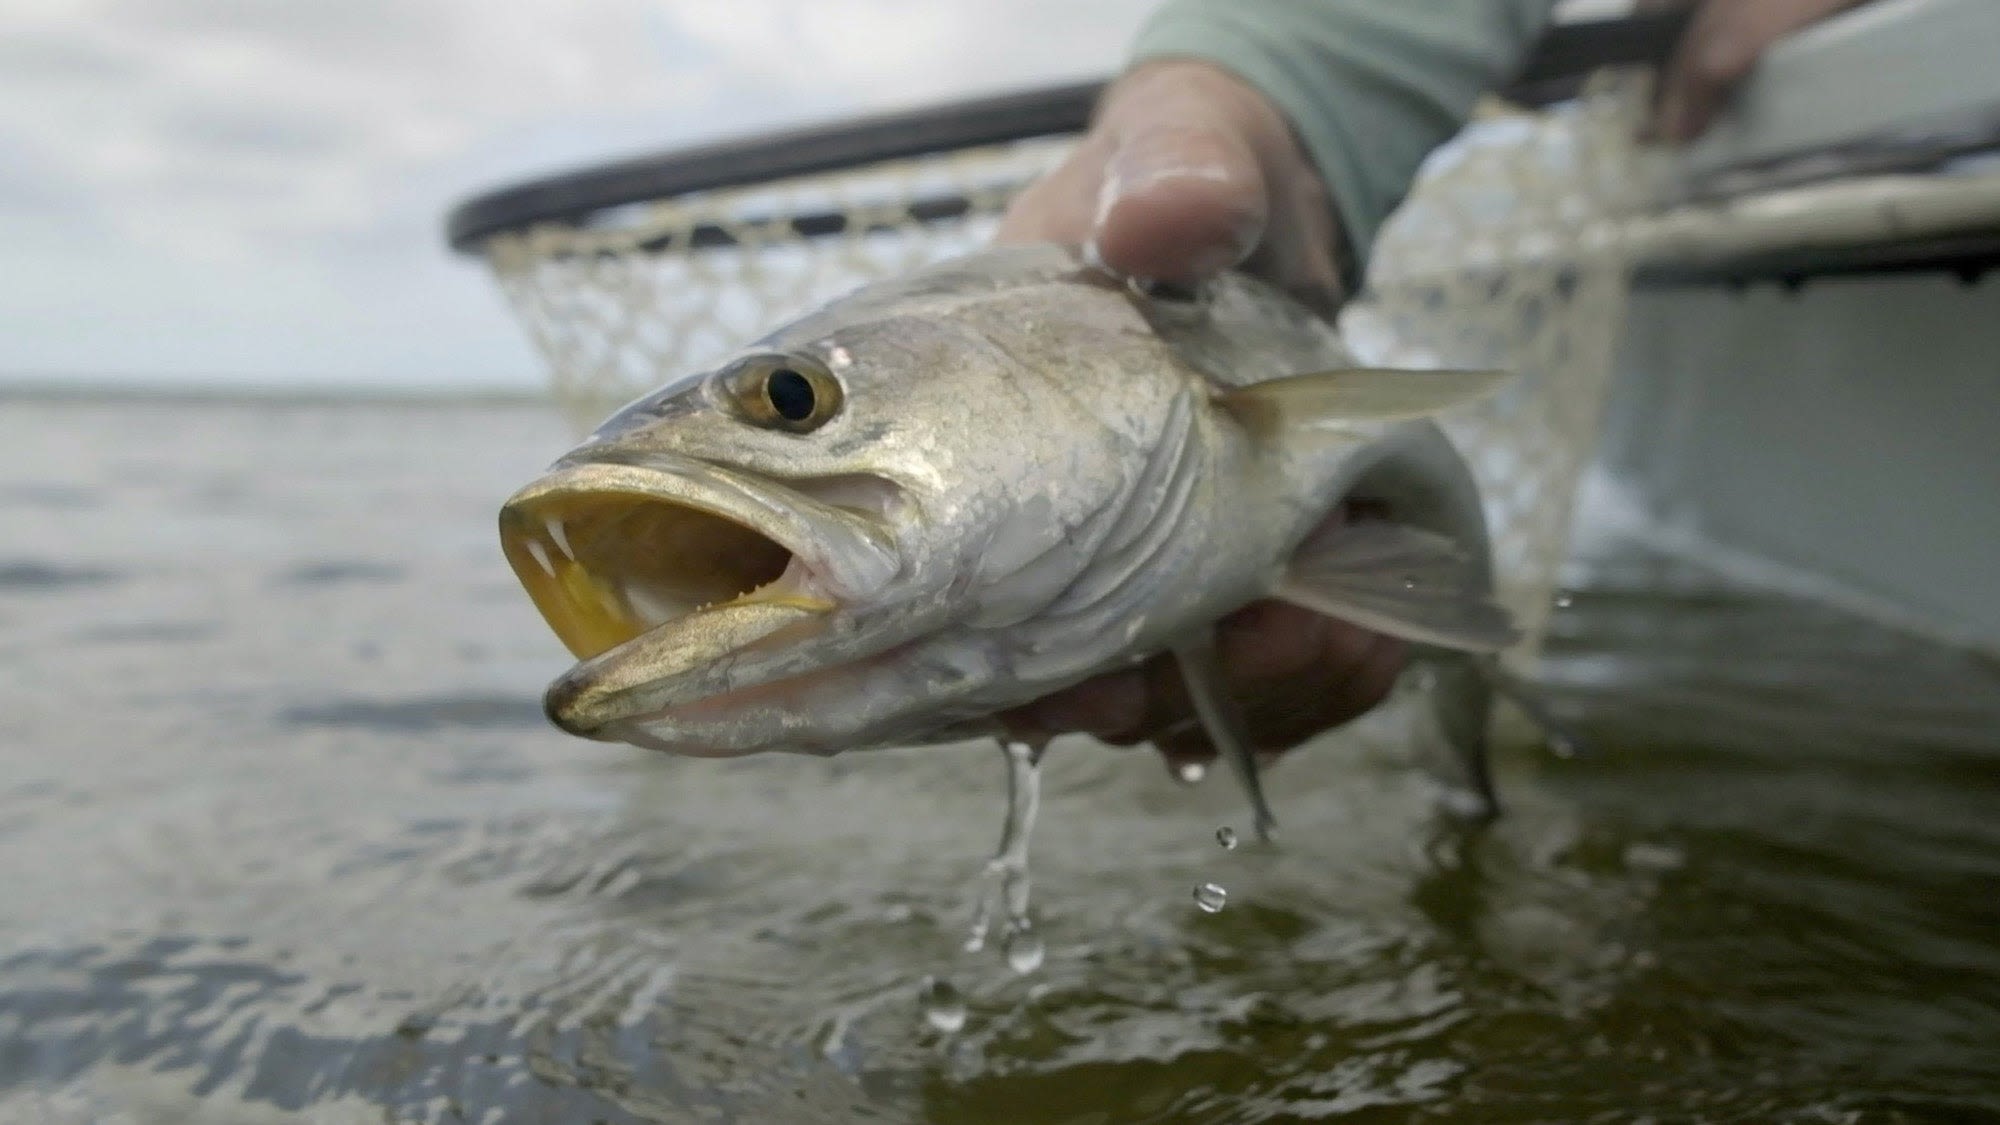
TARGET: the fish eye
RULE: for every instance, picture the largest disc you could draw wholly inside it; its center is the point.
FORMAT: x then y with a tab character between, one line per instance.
791	394
784	392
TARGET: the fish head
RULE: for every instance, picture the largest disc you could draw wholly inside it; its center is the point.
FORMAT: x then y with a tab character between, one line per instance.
740	560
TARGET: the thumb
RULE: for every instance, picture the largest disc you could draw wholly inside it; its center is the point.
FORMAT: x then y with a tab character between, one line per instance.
1179	203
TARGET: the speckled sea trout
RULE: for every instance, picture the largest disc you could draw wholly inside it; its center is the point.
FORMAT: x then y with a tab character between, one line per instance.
952	493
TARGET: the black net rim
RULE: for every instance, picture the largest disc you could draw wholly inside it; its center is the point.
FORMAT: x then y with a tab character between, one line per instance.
1565	55
857	142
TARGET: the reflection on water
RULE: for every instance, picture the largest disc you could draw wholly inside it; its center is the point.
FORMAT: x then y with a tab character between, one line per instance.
283	839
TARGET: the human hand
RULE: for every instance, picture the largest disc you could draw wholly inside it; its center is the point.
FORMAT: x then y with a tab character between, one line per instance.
1719	50
1187	171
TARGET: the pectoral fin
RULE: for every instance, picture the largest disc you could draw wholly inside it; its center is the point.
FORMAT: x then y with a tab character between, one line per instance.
1223	722
1400	581
1359	394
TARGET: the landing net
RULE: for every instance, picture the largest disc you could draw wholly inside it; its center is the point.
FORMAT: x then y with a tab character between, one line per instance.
1502	257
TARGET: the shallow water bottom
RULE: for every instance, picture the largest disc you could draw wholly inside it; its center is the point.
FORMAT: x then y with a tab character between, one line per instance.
283	838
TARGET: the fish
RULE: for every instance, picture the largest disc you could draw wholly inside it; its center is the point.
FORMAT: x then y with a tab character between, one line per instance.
954	492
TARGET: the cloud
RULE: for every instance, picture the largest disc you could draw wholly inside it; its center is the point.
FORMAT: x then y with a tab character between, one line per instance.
196	187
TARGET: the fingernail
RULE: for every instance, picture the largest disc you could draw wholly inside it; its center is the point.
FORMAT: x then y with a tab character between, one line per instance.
1147	160
1150	159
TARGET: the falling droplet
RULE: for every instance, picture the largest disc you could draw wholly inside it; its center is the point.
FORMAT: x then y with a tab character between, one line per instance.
944	1008
1211	897
1024	950
1564	601
1191	773
1226	836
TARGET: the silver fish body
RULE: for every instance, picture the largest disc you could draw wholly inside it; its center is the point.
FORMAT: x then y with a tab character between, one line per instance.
955	492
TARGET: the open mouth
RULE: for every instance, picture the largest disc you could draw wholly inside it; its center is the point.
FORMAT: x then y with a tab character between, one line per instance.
651	577
606	567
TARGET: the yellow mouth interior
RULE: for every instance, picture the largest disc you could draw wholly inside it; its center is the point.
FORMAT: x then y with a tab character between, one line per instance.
604	569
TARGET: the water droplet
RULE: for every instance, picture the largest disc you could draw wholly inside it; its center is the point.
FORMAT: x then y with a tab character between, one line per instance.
1654	857
1023	950
1190	773
944	1008
1564	601
1226	836
1409	583
1211	897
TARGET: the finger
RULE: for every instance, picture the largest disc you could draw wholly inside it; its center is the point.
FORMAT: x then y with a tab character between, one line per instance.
1721	47
1062	205
1294	673
1347	670
1105	705
1272	640
1351	677
1178	202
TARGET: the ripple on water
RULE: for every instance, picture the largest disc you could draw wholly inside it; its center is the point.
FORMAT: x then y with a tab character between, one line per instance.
336	572
30	575
410	716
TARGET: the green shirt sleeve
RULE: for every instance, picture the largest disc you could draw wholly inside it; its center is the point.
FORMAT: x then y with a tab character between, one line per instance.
1370	86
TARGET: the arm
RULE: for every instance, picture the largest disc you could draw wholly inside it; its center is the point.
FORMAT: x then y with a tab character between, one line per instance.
1369	87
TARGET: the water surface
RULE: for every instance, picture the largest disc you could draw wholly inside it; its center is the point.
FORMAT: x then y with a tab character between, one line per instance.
283	838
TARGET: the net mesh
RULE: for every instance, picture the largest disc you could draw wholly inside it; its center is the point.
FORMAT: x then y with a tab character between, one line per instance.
1508	254
1501	257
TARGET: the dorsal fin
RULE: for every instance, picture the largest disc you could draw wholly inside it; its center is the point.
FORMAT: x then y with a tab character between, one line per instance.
1324	399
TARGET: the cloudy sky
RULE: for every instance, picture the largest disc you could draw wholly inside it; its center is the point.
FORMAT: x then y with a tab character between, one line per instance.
252	191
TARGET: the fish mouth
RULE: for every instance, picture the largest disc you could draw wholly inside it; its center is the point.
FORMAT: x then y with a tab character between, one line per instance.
649	576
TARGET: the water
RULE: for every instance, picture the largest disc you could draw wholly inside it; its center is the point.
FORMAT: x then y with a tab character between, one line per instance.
283	838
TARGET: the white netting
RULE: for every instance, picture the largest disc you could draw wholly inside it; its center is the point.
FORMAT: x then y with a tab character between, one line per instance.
1502	257
649	291
1509	255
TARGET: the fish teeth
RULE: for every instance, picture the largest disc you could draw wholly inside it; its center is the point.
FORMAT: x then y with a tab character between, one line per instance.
561	540
541	554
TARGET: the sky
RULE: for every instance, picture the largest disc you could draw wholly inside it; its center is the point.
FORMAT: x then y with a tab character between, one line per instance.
253	191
